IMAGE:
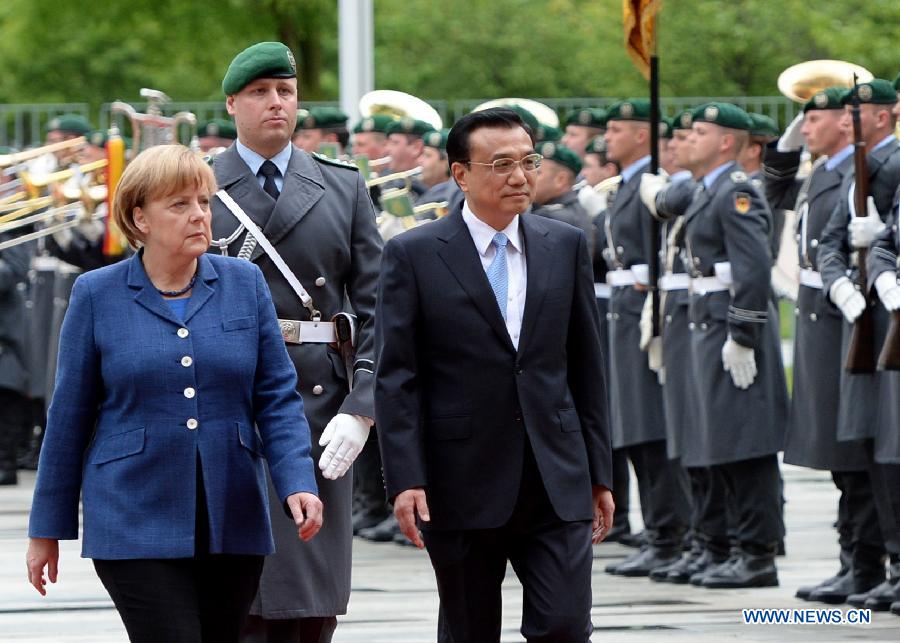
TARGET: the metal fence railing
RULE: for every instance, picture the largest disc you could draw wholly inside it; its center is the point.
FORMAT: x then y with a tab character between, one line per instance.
22	125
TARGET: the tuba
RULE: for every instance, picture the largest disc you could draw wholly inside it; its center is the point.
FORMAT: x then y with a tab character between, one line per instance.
399	105
801	81
545	115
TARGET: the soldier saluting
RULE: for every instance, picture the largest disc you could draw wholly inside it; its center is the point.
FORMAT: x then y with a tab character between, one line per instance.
314	215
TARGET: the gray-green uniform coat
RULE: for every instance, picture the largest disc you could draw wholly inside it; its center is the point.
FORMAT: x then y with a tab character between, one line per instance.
323	225
729	222
635	395
860	393
883	258
567	209
811	439
13	274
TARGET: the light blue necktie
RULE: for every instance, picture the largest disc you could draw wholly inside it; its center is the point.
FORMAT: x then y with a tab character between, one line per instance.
497	272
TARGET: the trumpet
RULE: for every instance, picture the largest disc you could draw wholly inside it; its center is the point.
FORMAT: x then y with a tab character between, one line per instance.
7	160
407	176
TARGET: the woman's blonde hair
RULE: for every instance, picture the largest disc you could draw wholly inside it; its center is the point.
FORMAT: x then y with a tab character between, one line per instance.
156	173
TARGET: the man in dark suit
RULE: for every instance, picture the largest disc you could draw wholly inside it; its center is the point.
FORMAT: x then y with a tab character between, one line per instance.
317	215
490	397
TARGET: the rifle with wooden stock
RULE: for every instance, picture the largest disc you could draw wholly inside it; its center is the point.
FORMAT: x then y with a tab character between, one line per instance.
861	354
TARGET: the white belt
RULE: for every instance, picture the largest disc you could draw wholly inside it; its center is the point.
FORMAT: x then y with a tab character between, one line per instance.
674	281
704	285
618	278
602	291
811	278
307	332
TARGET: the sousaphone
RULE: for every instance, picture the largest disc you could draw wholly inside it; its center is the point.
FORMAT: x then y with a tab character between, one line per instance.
399	105
545	115
801	81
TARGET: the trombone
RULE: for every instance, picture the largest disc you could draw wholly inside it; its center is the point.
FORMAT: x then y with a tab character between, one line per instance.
7	160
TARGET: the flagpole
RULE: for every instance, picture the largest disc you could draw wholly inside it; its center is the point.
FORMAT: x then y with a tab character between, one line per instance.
655	236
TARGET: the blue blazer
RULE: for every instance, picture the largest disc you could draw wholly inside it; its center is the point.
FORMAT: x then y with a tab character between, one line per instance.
140	395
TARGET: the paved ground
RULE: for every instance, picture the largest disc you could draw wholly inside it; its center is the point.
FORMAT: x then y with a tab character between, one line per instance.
394	597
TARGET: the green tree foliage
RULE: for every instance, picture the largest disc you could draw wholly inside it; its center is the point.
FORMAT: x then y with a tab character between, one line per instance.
75	51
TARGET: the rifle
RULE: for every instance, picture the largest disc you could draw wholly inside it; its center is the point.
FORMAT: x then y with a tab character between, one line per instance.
889	359
861	354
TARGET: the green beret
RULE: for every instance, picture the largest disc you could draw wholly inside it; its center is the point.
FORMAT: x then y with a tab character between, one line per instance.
374	123
763	125
321	118
588	117
897	83
632	109
98	138
877	92
561	154
409	126
529	118
74	123
723	114
828	98
221	127
262	60
436	139
665	128
547	133
683	119
596	145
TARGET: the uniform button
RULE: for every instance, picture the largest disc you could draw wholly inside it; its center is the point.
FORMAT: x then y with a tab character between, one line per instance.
814	243
704	326
615	315
191	424
668	319
620	249
183	332
189	392
691	326
608	316
186	361
518	371
320	282
796	312
318	389
813	317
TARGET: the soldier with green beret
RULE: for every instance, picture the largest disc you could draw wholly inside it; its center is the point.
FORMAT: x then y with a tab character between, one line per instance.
370	136
581	126
554	197
596	166
435	170
321	129
547	133
317	214
59	129
763	130
666	155
218	132
526	114
404	146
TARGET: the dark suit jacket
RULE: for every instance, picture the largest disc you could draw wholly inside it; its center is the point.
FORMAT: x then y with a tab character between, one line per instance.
454	400
119	429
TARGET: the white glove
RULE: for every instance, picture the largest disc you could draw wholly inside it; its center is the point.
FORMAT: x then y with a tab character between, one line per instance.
740	361
343	438
888	290
592	201
655	355
863	230
847	298
651	185
646	324
792	140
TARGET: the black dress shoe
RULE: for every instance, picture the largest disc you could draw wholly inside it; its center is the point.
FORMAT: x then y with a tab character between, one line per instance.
804	592
613	567
616	534
895	608
383	532
840	590
650	559
8	478
746	570
367	519
633	540
677	570
883	596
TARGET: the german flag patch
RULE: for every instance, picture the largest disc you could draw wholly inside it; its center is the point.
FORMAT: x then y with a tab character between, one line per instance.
742	202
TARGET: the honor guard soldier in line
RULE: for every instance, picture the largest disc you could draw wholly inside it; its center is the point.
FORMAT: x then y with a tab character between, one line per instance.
637	419
16	415
742	403
862	394
308	223
404	146
435	171
370	137
597	168
322	130
547	133
751	159
812	435
554	197
581	126
216	134
708	511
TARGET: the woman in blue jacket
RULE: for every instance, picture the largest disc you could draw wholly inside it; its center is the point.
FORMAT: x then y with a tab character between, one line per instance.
173	388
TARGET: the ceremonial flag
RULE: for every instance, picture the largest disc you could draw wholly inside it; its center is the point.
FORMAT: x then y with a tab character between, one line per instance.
640	31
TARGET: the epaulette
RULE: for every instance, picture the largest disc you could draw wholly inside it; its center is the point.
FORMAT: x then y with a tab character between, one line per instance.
738	177
330	161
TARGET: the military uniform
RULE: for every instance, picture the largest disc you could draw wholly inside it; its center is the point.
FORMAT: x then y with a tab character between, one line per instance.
637	417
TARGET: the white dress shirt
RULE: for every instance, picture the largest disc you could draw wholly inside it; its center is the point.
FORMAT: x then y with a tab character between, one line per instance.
482	235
